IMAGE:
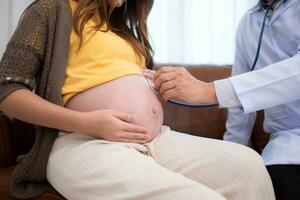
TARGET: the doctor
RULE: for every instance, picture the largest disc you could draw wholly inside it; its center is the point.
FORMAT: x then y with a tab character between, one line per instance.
274	86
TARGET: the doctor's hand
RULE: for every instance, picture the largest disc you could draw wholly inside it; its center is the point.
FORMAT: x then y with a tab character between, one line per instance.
178	84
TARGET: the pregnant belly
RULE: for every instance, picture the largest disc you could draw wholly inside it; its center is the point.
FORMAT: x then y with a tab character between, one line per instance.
129	94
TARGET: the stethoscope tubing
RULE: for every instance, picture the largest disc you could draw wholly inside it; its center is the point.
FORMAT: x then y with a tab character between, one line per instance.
180	103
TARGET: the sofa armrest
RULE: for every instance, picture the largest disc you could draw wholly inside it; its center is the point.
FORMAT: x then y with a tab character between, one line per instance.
6	151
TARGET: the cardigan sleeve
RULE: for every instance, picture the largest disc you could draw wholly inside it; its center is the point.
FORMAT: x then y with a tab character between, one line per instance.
23	58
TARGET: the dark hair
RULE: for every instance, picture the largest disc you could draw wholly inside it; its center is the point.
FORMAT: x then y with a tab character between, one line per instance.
128	21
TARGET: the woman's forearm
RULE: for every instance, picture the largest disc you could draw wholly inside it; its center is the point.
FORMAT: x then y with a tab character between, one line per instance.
26	106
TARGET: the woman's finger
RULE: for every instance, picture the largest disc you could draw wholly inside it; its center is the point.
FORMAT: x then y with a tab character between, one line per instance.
134	128
134	136
133	141
126	117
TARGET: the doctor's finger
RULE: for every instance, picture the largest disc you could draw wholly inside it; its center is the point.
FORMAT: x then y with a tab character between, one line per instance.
149	74
165	70
159	80
170	94
168	85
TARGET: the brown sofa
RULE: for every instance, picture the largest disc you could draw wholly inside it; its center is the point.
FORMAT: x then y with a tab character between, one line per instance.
17	137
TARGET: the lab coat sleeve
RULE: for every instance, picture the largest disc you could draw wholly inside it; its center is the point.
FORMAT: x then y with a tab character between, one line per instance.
226	95
239	125
271	86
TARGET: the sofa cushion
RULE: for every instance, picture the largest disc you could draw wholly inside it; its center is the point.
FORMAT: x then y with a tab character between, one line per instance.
16	138
6	150
5	174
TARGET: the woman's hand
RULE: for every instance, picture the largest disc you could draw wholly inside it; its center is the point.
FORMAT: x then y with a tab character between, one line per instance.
114	126
177	83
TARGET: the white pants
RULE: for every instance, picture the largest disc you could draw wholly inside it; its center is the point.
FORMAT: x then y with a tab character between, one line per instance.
175	166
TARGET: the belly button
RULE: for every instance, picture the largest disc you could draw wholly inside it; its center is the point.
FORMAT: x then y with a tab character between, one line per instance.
154	110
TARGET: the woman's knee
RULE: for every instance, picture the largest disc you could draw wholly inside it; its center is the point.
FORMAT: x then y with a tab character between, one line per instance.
246	158
247	166
242	158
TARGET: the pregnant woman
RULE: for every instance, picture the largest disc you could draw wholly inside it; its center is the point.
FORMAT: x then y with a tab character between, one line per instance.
99	132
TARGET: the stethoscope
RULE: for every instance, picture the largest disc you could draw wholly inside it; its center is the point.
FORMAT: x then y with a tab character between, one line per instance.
267	7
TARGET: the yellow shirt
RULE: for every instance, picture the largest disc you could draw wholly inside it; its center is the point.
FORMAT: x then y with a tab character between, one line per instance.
104	56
